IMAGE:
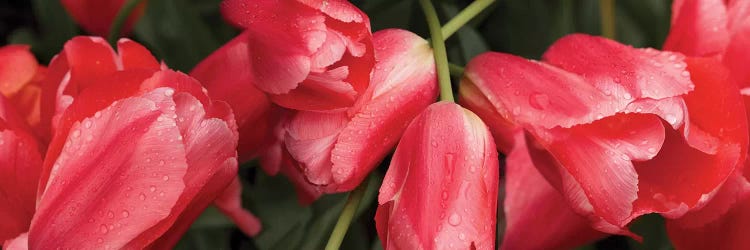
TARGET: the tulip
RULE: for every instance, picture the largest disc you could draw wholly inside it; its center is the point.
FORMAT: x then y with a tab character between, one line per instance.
618	131
306	55
441	193
97	16
336	150
137	153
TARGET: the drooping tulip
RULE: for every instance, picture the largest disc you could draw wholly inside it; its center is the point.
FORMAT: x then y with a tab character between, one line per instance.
336	150
313	55
619	130
97	16
440	192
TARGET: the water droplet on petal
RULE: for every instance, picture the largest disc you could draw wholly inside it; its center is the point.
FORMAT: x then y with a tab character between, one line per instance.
455	219
142	196
125	214
169	92
152	188
103	229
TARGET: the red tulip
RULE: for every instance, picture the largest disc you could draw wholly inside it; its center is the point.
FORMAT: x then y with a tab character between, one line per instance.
20	164
307	55
20	81
722	29
97	16
620	131
137	153
441	193
336	150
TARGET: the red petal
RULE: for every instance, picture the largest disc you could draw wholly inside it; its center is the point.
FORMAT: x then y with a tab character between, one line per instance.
620	70
230	203
441	192
96	16
737	54
729	232
226	76
19	68
310	138
534	209
403	84
699	27
20	166
19	243
320	92
135	56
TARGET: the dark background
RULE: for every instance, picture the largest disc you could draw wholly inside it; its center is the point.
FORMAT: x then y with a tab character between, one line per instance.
182	32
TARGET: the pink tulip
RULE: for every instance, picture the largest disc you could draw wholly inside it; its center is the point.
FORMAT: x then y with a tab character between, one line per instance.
438	192
307	55
97	16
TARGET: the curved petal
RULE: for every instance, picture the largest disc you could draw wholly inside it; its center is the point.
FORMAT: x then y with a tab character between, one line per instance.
230	203
96	16
699	27
728	232
96	191
535	209
15	75
310	138
134	56
19	243
225	75
441	192
403	84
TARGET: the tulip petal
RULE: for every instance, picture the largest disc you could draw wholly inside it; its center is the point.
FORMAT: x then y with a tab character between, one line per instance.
403	84
320	92
310	138
19	243
224	74
230	203
96	193
20	166
621	70
13	76
699	27
96	16
535	209
134	56
729	232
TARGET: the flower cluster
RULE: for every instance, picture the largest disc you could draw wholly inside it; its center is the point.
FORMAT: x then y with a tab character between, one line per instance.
110	148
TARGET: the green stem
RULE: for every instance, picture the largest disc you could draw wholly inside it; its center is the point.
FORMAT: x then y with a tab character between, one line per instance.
122	15
464	17
607	15
456	70
438	47
346	216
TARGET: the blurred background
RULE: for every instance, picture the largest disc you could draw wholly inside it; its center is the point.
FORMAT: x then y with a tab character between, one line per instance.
183	32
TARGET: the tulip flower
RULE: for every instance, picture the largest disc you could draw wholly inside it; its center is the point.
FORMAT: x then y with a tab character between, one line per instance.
336	150
20	81
618	131
306	55
137	153
718	30
437	192
97	16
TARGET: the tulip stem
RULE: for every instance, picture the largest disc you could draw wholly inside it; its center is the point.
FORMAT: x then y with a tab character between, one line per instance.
346	216
122	15
438	47
607	15
464	17
456	70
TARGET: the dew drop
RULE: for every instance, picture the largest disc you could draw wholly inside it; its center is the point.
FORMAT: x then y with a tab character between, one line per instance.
103	229
152	188
652	150
98	114
169	92
165	178
455	219
462	236
76	133
445	195
142	196
125	214
539	101
627	96
110	214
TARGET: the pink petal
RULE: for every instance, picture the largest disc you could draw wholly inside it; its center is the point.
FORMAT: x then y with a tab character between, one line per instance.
729	232
19	243
19	68
699	27
96	16
340	10
620	70
230	203
310	138
320	92
535	210
97	189
441	192
403	85
737	54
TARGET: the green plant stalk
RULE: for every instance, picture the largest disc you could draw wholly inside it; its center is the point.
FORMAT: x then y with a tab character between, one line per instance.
607	15
347	214
464	17
438	50
456	70
119	22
